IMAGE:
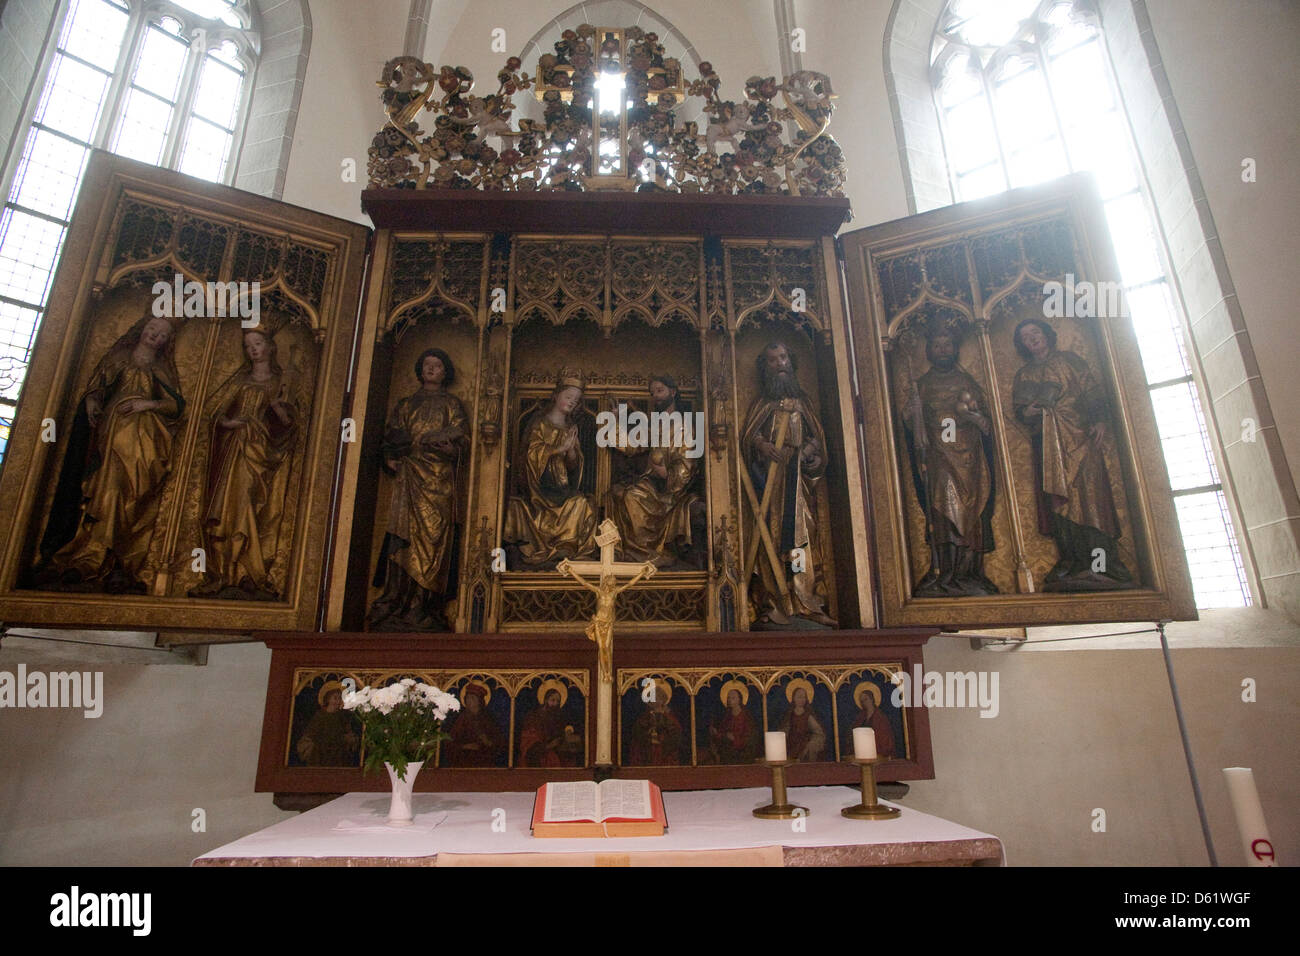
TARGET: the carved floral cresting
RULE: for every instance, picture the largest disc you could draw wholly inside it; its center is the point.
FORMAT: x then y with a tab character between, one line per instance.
744	147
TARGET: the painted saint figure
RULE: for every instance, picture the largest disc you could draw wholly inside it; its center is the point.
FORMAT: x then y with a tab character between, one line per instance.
734	737
554	519
254	430
805	737
1059	400
949	441
653	511
784	449
476	739
424	442
867	696
545	739
330	738
657	733
118	459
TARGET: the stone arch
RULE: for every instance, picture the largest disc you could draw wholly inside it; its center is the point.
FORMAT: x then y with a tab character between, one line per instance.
618	13
263	158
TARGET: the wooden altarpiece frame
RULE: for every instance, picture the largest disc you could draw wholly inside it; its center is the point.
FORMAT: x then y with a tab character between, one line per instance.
136	225
981	269
467	270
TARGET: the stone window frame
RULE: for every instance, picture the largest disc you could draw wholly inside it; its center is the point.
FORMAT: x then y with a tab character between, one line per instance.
1259	487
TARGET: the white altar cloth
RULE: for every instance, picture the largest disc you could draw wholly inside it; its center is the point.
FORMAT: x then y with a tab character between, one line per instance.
352	829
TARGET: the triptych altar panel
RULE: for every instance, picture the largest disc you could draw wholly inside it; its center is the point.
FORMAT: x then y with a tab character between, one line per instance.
172	461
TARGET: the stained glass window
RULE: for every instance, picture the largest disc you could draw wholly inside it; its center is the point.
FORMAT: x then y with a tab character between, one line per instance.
165	83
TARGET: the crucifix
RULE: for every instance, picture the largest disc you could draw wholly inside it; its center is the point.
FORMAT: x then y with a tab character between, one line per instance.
601	629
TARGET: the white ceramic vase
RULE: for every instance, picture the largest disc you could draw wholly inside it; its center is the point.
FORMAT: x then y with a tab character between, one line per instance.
399	810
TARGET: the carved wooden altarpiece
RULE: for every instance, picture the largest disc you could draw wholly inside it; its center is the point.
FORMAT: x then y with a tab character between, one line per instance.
524	279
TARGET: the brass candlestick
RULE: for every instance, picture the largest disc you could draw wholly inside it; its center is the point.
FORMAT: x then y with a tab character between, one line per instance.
780	808
870	808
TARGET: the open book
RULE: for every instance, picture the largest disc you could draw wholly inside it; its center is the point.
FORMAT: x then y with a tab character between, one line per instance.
613	808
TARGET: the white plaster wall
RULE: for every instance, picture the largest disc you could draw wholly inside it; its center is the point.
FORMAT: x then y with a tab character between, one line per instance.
340	110
845	41
1080	730
1235	73
120	789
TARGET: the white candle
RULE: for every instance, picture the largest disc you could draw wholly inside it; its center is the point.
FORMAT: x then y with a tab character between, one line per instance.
864	743
774	745
1250	816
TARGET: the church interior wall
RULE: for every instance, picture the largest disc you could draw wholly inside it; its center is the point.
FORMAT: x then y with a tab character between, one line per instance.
1077	730
122	789
1244	106
340	109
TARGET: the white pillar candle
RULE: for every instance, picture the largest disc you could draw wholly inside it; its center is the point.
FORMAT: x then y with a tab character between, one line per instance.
864	743
774	745
1250	816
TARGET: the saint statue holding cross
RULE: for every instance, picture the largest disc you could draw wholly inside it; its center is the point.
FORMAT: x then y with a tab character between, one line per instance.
601	629
784	451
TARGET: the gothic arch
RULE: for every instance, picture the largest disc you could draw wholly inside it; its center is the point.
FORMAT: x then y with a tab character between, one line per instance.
617	16
615	13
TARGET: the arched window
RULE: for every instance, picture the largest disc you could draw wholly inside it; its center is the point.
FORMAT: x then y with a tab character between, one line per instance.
1025	93
165	82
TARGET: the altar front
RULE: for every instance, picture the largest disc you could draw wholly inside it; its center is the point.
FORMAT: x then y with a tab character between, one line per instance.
705	828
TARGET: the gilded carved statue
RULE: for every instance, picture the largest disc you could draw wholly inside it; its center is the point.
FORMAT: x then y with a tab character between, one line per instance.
425	440
949	441
553	518
1064	407
118	459
784	459
654	509
254	430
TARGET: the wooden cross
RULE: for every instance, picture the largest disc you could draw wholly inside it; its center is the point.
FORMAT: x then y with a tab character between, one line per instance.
607	571
761	509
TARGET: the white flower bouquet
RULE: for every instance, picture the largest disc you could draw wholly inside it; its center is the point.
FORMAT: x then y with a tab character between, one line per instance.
403	722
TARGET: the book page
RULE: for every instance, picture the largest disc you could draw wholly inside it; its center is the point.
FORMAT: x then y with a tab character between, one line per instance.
625	798
570	801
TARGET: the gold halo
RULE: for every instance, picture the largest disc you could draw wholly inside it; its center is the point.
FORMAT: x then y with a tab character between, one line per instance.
870	688
731	685
663	690
329	685
549	685
477	683
796	683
